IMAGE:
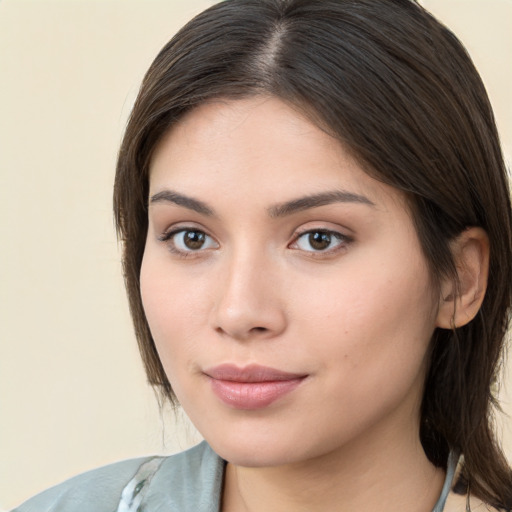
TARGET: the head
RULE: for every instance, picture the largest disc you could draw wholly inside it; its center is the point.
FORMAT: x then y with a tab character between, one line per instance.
400	94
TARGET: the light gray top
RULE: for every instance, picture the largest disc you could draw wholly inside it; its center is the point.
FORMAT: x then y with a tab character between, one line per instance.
190	481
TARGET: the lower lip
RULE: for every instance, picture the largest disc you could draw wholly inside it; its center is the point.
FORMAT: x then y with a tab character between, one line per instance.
252	395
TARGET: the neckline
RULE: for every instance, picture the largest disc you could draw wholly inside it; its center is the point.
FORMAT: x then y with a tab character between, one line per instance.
453	460
199	474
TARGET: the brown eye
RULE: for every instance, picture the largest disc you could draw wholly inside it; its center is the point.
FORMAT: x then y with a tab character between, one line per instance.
194	240
319	240
183	241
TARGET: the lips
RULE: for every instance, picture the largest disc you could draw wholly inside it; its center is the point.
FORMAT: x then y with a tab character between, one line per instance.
251	387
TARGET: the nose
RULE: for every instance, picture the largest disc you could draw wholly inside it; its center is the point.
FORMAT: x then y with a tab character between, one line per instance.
249	303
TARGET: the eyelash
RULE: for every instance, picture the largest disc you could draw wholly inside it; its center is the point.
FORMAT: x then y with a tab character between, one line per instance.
169	238
332	236
342	241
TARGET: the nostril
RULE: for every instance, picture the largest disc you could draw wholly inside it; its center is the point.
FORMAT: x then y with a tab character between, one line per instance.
259	329
254	331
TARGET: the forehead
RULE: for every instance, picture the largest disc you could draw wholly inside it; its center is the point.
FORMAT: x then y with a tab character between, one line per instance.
258	146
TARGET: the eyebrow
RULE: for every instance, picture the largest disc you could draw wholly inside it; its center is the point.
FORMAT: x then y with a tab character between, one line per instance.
169	196
278	210
316	200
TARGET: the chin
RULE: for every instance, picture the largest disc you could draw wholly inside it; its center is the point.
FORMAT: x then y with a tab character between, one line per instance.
256	447
253	455
263	447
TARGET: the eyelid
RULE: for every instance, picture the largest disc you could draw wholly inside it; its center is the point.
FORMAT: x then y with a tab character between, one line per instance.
167	237
174	228
344	241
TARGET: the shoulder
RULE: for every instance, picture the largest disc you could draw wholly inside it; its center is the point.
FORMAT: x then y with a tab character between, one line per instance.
102	485
175	482
459	503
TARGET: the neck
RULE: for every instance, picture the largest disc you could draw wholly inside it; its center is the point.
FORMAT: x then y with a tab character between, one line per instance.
390	475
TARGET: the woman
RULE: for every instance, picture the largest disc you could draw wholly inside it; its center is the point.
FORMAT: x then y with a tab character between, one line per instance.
316	228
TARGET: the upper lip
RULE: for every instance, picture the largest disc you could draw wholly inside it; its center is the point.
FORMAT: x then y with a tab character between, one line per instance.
250	373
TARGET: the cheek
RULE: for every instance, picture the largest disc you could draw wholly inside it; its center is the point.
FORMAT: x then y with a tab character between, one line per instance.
175	308
373	348
374	320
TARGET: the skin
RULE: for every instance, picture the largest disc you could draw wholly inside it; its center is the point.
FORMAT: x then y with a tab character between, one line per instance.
354	318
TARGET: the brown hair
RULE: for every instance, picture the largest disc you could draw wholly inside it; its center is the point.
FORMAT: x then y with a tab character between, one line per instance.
396	87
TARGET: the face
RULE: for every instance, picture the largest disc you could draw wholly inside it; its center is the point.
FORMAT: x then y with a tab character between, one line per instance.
285	289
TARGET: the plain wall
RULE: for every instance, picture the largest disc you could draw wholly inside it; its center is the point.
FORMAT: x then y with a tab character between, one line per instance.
72	391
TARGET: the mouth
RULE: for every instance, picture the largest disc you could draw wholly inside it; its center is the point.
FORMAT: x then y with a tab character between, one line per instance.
251	387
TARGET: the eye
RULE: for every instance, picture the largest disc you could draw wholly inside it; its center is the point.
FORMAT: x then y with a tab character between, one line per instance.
319	240
188	240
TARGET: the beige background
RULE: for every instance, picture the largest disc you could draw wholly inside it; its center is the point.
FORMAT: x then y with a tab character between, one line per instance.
72	392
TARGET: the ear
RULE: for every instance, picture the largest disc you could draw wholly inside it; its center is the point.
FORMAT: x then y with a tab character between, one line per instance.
459	305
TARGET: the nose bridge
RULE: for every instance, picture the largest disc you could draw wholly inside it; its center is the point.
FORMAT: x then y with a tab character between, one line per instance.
248	299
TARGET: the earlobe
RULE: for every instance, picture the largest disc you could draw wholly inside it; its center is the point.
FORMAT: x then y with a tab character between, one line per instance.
460	304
